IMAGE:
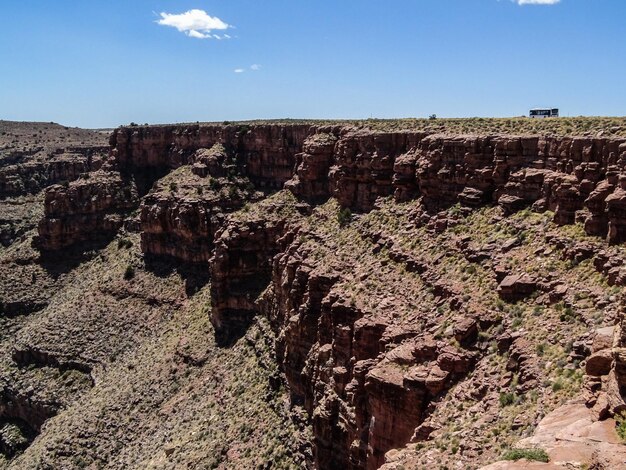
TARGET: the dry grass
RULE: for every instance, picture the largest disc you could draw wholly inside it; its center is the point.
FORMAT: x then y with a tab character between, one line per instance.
575	126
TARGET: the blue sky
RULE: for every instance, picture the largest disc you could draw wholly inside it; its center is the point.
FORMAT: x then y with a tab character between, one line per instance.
103	63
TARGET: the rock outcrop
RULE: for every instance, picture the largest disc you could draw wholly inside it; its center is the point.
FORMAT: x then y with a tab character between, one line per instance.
574	177
264	153
86	210
62	165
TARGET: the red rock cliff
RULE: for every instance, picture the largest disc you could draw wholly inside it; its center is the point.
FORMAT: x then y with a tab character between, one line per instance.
364	379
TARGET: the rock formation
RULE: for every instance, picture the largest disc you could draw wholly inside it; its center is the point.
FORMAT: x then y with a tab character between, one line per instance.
395	269
85	210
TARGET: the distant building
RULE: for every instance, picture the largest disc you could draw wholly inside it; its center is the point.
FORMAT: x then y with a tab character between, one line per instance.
540	113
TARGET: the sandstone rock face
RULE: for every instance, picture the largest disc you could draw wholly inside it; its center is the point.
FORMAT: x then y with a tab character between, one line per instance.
337	361
85	210
364	382
181	228
241	269
265	154
566	175
181	215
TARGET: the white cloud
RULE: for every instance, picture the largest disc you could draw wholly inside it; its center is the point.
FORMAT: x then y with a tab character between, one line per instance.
253	67
537	2
196	34
195	24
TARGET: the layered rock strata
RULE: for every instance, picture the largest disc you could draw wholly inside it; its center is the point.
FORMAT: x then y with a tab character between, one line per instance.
574	177
577	178
30	176
85	210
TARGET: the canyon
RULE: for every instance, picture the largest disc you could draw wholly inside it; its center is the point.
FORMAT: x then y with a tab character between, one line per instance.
311	295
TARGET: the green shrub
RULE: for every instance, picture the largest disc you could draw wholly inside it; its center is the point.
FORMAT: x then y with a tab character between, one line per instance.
344	216
507	399
620	420
129	273
124	243
541	349
538	455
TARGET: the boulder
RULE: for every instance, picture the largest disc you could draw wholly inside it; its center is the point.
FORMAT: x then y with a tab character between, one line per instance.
516	287
599	363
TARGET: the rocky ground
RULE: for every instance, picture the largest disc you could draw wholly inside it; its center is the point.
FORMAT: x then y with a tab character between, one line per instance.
315	295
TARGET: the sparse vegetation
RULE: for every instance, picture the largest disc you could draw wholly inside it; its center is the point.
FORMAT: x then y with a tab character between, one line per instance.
388	264
507	399
608	126
124	243
538	455
344	216
129	272
620	421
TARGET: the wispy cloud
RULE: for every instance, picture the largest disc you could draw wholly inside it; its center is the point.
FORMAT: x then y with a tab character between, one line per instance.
195	24
536	2
253	67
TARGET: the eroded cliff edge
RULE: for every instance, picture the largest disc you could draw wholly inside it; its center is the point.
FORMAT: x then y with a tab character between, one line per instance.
460	259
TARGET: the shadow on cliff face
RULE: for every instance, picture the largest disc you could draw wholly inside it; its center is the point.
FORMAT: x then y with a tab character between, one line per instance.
195	276
20	422
15	436
232	322
60	262
144	178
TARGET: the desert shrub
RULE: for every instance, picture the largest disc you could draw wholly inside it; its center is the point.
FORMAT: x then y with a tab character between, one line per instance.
620	420
538	455
455	210
541	349
124	243
129	272
507	399
557	385
344	216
